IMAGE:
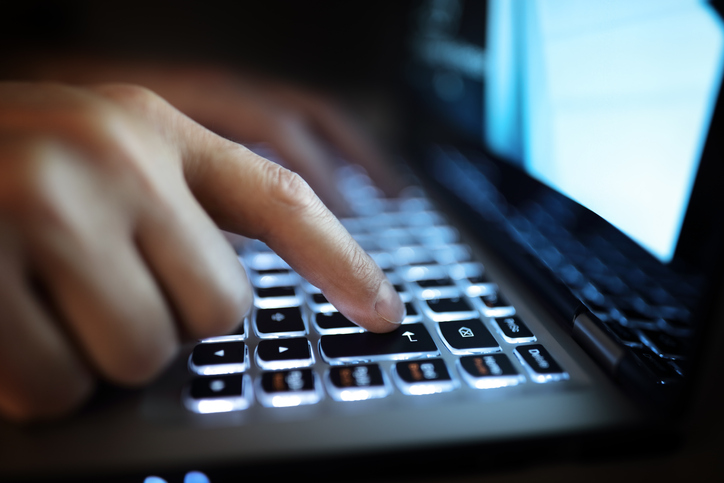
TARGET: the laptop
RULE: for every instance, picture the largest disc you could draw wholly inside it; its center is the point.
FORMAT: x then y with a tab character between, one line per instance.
559	257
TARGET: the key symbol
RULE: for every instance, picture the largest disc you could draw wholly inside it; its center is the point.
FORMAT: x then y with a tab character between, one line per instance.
278	317
409	335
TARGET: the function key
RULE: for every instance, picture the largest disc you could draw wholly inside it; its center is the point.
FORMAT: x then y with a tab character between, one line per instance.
295	387
211	358
423	377
357	383
467	337
284	353
280	321
489	371
514	330
407	341
540	364
218	394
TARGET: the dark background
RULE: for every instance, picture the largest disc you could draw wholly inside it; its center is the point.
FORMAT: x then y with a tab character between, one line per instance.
337	42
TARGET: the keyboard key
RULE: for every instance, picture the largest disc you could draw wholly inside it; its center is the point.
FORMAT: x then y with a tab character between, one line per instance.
449	254
540	364
215	358
281	321
452	308
276	277
218	394
514	330
489	371
665	345
238	334
357	383
412	255
289	388
412	314
423	377
407	341
467	337
334	323
441	282
455	304
496	305
271	297
275	292
664	370
284	353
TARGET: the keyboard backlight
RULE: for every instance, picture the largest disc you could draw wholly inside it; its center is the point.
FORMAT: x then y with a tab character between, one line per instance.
423	389
215	406
286	401
359	395
493	383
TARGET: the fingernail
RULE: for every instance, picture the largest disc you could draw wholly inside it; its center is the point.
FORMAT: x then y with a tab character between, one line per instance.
388	304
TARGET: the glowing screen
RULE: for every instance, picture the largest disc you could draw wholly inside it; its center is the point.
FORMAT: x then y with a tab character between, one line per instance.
607	102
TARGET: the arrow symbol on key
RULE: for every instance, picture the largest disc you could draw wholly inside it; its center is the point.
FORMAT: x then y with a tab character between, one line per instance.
409	335
283	349
219	353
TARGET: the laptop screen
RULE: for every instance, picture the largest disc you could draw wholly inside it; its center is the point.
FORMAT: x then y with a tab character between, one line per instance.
609	103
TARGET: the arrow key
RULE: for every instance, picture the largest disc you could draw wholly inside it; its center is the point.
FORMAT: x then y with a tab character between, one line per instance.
286	353
212	358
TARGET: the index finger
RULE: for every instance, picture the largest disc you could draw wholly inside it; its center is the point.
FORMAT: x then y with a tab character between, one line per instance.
249	195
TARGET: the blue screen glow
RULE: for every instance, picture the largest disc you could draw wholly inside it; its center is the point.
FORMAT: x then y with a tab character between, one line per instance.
607	102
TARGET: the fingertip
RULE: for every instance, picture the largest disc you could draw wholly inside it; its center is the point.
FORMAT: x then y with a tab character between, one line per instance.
388	304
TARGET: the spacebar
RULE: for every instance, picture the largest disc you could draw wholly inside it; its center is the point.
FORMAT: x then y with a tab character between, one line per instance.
410	340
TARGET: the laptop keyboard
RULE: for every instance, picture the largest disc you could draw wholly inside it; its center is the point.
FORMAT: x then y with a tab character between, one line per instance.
643	303
460	332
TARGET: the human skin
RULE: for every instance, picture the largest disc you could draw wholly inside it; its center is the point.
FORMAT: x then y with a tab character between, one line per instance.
111	201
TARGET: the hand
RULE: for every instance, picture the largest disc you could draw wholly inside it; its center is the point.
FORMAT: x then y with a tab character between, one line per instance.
306	129
110	252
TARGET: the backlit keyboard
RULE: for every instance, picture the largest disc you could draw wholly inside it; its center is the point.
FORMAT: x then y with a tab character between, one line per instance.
460	332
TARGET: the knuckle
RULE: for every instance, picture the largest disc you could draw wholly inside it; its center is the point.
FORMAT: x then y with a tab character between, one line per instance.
138	359
26	188
361	267
289	189
226	300
130	96
223	313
